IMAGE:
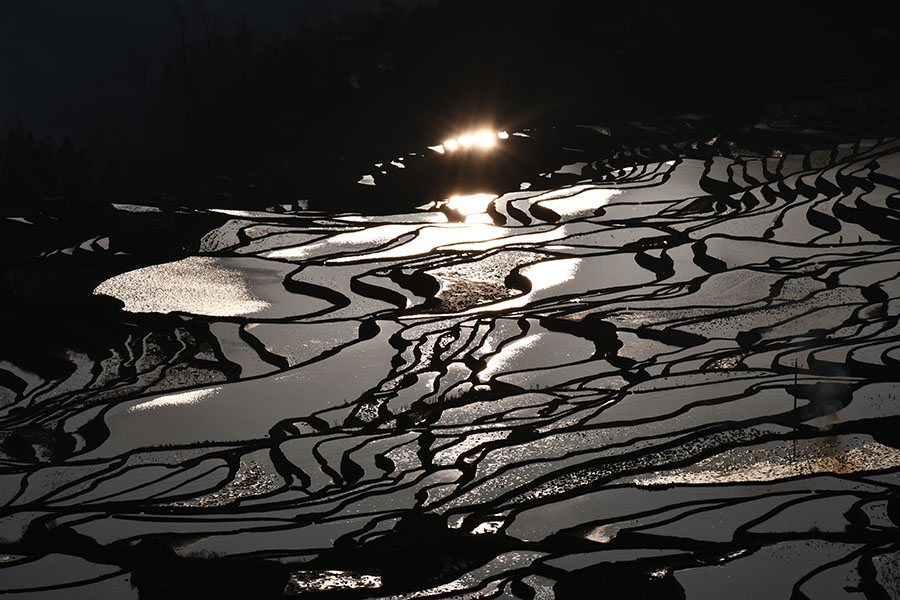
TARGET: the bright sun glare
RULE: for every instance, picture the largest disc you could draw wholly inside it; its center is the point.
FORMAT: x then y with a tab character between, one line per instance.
480	140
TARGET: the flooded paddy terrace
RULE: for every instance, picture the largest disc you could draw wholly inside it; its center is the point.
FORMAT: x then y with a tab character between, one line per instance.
670	377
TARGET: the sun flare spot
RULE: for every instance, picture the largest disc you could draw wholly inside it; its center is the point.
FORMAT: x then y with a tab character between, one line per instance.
481	139
485	139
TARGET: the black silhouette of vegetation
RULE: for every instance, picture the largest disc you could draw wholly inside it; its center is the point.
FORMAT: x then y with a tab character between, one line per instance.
228	114
32	170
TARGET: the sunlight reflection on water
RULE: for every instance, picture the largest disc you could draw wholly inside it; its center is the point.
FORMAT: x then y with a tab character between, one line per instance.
780	460
369	236
543	275
320	581
471	204
429	238
473	207
569	202
189	397
198	284
506	355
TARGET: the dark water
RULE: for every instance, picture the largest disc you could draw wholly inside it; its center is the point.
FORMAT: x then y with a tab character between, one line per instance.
669	377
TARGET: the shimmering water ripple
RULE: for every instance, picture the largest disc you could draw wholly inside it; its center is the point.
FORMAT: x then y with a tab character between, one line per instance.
673	379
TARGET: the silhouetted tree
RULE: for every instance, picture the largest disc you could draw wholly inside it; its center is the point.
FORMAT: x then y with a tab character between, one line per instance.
182	39
209	26
139	67
31	171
